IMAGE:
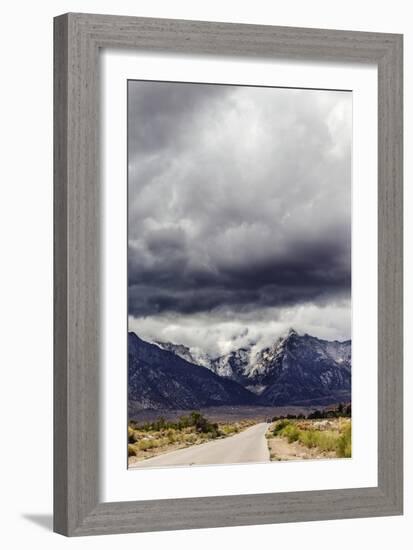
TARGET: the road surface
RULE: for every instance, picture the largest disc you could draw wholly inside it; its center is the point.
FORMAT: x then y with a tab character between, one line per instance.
247	446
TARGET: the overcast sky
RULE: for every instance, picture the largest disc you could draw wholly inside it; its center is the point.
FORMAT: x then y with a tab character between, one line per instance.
239	213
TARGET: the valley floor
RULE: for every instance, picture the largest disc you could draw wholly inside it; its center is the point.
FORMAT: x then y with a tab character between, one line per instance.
197	440
223	413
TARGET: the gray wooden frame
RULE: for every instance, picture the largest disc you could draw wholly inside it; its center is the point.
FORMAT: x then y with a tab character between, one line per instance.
77	507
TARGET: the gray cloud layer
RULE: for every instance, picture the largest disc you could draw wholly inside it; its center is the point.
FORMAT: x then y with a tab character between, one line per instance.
239	200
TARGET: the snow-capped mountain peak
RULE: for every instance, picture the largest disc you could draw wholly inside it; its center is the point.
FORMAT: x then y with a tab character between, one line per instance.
192	355
293	368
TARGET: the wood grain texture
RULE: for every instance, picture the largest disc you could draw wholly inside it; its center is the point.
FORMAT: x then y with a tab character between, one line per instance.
390	272
78	38
60	277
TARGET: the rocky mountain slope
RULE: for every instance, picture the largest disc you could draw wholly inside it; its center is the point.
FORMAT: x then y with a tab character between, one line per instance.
303	369
191	355
294	370
160	379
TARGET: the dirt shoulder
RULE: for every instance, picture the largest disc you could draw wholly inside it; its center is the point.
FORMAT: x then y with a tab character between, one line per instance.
280	449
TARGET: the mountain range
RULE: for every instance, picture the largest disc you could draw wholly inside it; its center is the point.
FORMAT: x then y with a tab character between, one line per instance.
294	370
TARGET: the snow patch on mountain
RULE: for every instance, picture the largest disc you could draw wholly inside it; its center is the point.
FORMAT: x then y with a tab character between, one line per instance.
192	355
294	365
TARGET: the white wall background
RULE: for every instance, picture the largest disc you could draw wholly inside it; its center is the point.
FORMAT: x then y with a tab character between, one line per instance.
26	272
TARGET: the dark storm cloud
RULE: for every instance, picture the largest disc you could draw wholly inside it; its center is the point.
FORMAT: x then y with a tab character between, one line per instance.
158	113
174	286
239	198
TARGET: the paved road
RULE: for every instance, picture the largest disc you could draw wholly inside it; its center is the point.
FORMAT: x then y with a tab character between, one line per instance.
247	446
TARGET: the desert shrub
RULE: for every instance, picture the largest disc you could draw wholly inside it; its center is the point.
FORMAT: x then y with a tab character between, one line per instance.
146	444
203	425
327	441
344	443
131	435
143	427
131	450
280	426
291	432
194	420
161	442
324	439
159	424
184	422
341	410
163	432
316	414
200	423
229	429
308	438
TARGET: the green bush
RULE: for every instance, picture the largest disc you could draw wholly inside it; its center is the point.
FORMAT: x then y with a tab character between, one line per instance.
291	432
308	438
131	435
194	420
279	427
146	444
328	444
184	422
230	429
344	443
328	441
341	410
131	450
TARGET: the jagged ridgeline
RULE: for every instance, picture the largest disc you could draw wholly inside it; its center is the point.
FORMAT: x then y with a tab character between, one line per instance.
295	370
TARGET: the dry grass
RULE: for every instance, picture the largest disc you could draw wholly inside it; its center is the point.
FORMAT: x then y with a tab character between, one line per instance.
325	438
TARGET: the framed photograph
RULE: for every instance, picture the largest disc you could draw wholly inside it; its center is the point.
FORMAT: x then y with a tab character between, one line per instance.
228	274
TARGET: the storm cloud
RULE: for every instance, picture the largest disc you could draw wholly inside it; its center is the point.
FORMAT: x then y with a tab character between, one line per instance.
239	205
